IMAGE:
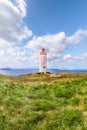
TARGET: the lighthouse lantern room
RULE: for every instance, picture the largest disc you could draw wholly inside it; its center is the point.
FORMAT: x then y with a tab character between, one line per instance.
43	61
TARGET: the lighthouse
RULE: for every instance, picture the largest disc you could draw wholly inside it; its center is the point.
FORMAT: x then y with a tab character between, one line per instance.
43	61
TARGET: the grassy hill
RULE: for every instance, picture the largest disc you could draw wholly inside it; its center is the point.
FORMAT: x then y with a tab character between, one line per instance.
43	102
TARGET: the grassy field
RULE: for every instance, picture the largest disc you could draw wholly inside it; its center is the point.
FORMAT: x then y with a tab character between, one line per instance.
43	102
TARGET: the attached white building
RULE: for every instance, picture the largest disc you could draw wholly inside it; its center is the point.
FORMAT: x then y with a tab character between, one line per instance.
43	61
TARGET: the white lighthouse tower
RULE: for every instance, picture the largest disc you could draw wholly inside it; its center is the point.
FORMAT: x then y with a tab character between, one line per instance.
43	61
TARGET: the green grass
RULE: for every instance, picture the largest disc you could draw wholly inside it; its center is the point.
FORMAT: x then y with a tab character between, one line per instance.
43	102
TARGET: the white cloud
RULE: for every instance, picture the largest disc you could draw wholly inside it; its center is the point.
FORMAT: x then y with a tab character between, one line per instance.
77	37
17	53
21	4
55	44
12	27
81	57
12	51
67	57
1	52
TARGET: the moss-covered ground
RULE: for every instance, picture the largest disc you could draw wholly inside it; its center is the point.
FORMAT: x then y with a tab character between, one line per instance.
43	102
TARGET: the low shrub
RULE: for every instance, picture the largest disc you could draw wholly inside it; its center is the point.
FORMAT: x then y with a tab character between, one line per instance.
74	101
64	93
43	105
85	103
65	120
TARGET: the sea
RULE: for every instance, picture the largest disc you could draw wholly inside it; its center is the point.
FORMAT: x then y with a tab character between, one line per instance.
18	72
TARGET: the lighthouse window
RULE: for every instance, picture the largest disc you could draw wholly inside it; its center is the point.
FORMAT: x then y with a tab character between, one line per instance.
44	66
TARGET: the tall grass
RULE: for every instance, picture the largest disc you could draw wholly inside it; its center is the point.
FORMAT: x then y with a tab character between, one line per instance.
54	105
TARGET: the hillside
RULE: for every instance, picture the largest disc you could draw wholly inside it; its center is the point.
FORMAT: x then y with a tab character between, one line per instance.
43	102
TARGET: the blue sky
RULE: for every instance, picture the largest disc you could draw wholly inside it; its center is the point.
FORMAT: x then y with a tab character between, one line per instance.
60	26
53	16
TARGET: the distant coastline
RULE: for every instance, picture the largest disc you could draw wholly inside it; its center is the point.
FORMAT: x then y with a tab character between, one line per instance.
21	71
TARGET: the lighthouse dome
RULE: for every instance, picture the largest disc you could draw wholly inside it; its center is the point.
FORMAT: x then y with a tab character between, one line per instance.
43	52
